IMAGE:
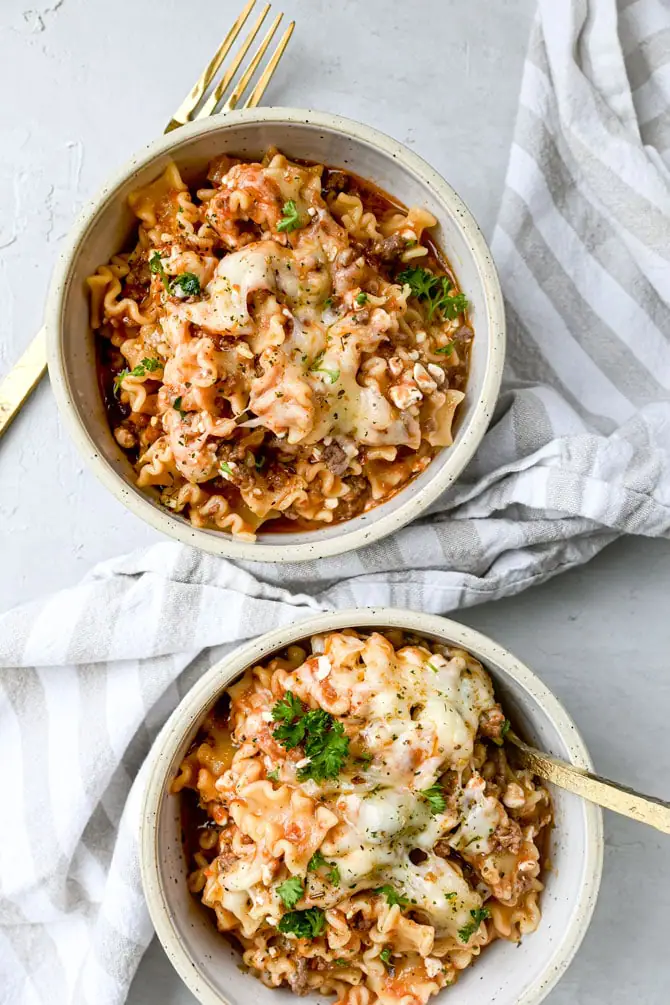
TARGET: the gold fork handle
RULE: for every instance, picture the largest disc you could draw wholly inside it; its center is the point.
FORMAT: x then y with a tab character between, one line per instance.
22	379
613	796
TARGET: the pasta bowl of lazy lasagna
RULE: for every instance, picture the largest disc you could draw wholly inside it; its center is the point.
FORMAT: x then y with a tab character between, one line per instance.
334	811
276	335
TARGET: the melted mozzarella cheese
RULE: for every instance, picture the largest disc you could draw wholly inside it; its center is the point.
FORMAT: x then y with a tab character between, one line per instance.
421	722
481	815
261	266
437	889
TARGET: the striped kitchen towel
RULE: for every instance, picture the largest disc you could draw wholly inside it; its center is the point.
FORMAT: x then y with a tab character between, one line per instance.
579	453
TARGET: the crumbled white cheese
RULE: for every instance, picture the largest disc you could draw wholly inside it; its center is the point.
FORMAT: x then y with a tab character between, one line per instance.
324	667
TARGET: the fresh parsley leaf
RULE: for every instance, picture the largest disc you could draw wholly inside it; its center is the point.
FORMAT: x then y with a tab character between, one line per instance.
317	861
446	350
385	955
327	751
273	775
322	736
478	915
188	283
449	896
419	280
392	896
144	366
156	266
361	299
434	291
303	924
176	404
435	797
225	468
453	305
341	962
287	708
290	217
289	712
290	891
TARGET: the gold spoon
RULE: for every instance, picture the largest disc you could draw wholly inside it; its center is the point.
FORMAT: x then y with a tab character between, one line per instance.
611	795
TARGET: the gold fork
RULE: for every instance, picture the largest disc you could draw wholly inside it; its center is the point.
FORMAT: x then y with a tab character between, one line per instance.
25	375
613	796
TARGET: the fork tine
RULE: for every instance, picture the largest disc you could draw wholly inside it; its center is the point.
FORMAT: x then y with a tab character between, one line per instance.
221	88
191	100
266	76
243	82
253	66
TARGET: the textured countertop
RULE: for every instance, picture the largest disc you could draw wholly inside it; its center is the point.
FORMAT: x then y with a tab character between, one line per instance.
97	80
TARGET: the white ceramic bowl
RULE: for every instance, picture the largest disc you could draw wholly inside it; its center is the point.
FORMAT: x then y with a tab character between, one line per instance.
104	228
505	973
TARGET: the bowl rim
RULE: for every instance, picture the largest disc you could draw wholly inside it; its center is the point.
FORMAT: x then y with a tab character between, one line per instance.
220	543
191	708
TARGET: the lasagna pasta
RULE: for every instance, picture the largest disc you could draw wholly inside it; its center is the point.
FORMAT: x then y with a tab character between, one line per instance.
283	345
354	821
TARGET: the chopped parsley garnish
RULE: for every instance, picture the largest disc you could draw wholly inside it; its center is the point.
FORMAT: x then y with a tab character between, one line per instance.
328	302
259	462
341	963
317	861
290	217
504	730
446	350
225	468
188	283
361	299
156	266
143	367
273	775
392	896
303	924
176	404
449	896
385	955
290	891
332	375
286	711
435	797
478	915
321	735
434	291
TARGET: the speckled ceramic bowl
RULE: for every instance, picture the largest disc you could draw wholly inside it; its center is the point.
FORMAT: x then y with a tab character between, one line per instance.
505	974
104	228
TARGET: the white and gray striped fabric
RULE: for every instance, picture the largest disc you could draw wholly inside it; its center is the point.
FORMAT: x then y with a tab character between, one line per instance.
579	453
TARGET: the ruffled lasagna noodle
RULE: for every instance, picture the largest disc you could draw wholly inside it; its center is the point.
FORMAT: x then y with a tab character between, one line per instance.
354	818
264	356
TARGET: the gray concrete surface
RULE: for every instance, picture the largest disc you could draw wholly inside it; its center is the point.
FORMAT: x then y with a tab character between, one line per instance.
91	82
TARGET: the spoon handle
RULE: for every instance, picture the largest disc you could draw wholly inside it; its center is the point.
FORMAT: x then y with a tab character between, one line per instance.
611	795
